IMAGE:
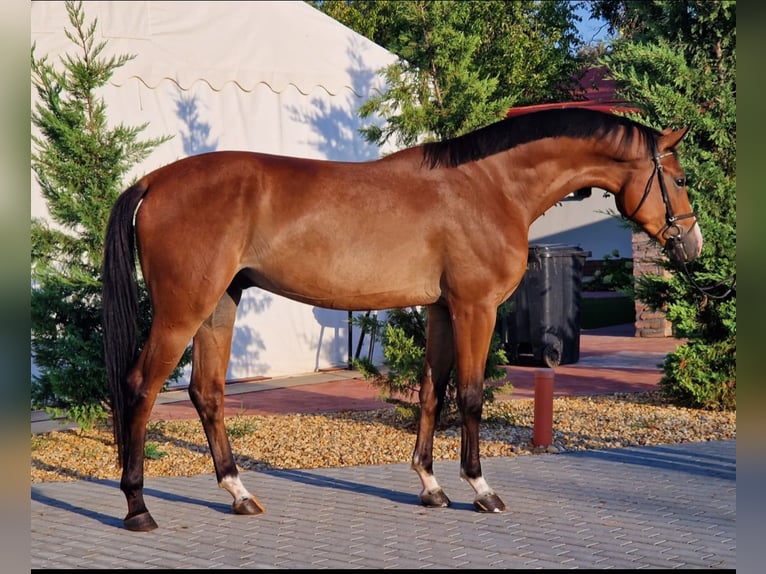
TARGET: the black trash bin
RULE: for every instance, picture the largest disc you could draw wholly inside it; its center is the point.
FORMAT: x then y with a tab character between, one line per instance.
542	326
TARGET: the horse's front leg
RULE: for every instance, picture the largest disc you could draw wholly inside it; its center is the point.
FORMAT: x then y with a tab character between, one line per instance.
210	357
473	327
438	364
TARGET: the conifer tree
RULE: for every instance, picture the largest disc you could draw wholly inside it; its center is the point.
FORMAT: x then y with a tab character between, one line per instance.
80	163
678	60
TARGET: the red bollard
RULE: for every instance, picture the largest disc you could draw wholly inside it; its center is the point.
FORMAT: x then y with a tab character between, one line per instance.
542	434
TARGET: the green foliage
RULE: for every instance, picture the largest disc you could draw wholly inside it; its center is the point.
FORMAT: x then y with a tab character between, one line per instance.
702	375
615	274
461	65
80	163
240	426
403	336
678	60
152	451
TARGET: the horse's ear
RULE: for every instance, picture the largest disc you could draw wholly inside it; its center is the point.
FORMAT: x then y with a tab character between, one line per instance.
671	138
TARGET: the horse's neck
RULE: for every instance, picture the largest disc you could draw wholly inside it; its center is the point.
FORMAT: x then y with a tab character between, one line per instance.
554	168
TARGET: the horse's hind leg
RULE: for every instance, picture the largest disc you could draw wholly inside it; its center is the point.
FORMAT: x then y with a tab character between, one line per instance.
433	386
210	352
157	360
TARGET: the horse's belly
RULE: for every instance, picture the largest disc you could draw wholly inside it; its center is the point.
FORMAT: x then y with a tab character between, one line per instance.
349	288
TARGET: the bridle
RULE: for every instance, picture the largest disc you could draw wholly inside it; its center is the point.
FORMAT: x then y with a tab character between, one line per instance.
672	232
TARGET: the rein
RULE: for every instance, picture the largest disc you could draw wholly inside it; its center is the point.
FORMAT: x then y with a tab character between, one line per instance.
708	290
673	233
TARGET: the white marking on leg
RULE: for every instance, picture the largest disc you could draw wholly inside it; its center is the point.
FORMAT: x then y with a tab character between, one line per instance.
479	485
429	481
235	487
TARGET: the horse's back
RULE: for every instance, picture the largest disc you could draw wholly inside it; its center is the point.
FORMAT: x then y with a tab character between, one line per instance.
334	234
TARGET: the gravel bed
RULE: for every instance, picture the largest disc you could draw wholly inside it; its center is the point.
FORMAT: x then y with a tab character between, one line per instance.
302	441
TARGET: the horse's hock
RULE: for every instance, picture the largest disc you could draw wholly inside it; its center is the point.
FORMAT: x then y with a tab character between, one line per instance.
543	324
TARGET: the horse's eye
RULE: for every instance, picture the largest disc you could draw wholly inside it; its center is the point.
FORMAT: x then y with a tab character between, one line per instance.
680	181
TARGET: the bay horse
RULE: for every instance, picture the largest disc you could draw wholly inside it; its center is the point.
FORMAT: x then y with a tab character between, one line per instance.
443	224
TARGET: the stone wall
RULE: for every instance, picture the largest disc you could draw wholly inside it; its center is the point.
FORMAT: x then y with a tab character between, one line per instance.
646	254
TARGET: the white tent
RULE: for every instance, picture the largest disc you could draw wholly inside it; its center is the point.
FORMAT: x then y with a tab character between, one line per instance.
276	77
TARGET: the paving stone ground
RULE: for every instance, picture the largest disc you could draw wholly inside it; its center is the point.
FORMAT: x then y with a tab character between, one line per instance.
668	506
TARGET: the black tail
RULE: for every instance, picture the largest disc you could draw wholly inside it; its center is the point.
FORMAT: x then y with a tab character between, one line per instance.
120	306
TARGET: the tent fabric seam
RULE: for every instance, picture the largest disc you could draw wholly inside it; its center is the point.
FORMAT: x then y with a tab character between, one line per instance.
218	87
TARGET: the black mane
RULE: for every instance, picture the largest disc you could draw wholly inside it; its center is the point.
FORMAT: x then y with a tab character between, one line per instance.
581	123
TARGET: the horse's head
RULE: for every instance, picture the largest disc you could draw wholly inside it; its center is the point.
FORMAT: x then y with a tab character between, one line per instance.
655	197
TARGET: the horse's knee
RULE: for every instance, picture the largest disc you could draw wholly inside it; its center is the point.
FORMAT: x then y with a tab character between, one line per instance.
470	400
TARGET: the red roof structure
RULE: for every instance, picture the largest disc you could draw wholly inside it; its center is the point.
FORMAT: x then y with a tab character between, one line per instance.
598	93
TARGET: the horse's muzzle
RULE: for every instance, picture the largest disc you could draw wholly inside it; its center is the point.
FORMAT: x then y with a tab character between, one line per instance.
683	246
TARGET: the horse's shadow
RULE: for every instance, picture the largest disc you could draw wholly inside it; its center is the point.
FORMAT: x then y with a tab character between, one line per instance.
322	481
115	521
105	519
299	476
303	476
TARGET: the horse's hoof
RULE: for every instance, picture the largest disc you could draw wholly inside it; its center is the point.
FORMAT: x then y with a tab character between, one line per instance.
248	506
490	502
435	499
142	522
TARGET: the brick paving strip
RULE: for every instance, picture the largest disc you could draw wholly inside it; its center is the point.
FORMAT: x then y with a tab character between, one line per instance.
611	360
